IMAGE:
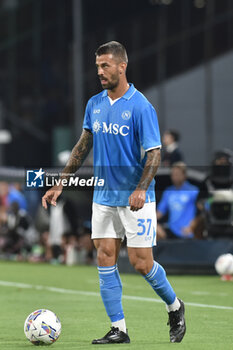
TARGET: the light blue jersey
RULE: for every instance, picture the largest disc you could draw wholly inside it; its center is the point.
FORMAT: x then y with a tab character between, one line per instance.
180	203
119	132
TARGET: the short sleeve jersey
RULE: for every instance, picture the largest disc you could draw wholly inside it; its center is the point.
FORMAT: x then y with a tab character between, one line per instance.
120	132
180	204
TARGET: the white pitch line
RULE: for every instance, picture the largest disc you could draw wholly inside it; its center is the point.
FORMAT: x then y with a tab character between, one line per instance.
209	293
94	294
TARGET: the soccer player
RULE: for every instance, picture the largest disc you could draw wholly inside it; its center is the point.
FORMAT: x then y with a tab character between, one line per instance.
118	121
179	201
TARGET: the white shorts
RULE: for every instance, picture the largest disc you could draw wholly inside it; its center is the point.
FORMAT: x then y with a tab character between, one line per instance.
139	227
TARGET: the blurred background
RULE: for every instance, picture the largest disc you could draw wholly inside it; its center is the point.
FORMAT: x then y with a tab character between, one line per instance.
180	56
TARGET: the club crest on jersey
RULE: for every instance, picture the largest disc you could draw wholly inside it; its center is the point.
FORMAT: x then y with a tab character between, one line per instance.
96	126
126	115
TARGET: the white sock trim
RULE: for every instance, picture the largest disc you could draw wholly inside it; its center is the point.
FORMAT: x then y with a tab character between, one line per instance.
174	306
120	324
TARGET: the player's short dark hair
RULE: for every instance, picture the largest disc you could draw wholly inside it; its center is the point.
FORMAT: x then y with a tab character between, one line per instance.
174	134
115	48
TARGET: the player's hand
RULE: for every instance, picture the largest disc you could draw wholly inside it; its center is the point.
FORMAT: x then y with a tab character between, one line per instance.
137	200
51	196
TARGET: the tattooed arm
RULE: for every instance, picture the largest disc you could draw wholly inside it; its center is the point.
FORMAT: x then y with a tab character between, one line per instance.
77	157
78	154
138	197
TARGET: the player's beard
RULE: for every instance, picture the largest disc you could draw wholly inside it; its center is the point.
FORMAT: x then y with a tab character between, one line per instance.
111	84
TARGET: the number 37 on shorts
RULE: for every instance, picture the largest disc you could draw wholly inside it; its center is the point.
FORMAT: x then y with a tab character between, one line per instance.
145	226
139	227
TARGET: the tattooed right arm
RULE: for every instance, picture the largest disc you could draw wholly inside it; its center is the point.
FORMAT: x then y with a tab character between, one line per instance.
79	153
77	157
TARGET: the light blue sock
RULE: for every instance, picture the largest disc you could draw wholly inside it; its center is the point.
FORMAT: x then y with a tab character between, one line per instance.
158	281
111	291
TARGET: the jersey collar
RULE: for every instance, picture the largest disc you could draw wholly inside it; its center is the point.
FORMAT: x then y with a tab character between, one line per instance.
127	96
183	186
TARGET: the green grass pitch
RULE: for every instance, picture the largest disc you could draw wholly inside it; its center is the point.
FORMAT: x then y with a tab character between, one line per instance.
73	294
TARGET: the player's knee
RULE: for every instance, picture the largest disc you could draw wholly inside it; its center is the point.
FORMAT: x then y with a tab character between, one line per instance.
105	256
140	265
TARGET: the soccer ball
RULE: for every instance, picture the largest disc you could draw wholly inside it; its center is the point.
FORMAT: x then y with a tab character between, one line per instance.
224	264
42	327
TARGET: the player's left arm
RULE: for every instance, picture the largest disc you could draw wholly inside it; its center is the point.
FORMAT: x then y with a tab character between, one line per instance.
138	197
